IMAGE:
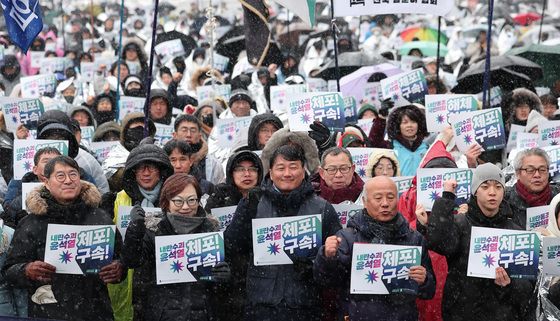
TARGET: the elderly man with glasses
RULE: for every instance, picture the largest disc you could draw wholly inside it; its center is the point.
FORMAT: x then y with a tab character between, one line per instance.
532	187
337	180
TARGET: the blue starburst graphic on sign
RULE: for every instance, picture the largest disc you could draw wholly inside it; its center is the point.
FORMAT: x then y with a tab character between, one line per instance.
468	139
65	257
273	248
440	119
488	260
395	97
371	277
177	266
554	142
27	166
15	119
305	118
362	172
229	137
434	195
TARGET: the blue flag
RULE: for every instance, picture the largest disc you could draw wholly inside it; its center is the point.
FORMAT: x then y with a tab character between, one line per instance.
23	20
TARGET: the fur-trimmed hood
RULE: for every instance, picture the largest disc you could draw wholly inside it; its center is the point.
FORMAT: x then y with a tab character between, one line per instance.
37	203
283	137
377	155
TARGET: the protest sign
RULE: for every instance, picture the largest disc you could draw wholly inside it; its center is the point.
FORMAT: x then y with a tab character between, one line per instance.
281	95
549	133
516	251
79	249
228	132
129	105
24	152
430	185
332	85
304	108
439	107
554	166
36	57
220	62
350	110
495	96
101	150
405	88
276	239
403	183
21	111
365	125
188	257
383	268
484	127
51	65
87	70
551	256
537	217
25	189
224	215
123	216
170	49
164	133
359	8
210	92
514	130
316	85
37	86
373	94
527	140
360	158
407	61
87	134
345	211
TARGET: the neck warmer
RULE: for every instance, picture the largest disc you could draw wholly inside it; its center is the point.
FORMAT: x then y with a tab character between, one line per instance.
386	232
150	197
478	218
540	199
184	224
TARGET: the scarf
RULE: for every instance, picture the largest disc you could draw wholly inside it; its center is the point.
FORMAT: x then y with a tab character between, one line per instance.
478	218
349	193
540	199
386	232
150	197
184	224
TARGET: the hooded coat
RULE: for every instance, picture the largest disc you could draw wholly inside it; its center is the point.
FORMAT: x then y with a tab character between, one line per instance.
256	123
470	298
105	128
336	272
376	156
160	93
9	84
103	117
179	301
131	118
283	137
92	121
89	300
521	96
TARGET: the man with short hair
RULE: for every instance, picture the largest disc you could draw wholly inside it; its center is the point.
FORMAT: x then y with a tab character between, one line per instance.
379	222
337	180
189	129
160	109
532	187
281	292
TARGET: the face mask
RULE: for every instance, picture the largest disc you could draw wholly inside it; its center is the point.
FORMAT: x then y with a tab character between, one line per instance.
10	77
69	99
134	92
104	116
199	61
180	67
132	137
208	120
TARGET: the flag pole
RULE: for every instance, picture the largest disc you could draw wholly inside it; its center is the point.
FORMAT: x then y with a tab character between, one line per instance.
334	31
542	20
486	83
148	82
438	47
119	58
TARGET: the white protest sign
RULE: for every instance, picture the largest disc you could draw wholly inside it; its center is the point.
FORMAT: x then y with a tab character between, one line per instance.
168	50
129	105
102	149
188	258
515	251
316	85
551	256
405	88
360	158
274	239
345	211
210	92
231	131
26	188
220	62
164	133
549	133
403	183
383	268
483	127
430	184
365	125
536	217
372	94
527	140
21	111
87	70
553	153
87	134
79	249
224	215
123	216
37	86
359	8
439	107
332	86
407	61
304	108
50	65
280	96
36	57
512	140
24	152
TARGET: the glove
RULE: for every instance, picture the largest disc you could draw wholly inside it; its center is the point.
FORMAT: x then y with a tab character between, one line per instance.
320	134
221	272
137	214
386	106
137	225
253	199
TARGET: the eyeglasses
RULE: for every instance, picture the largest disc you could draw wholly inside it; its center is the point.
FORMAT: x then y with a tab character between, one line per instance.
146	167
179	202
61	176
241	169
384	169
343	169
531	170
192	130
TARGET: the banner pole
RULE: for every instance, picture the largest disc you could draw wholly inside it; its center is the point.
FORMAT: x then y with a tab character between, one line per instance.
334	31
148	82
486	83
438	47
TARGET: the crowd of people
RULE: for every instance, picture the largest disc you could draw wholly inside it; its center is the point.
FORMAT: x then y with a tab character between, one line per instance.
277	173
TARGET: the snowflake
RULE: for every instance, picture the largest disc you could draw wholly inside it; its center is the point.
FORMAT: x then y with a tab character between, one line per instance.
177	266
488	260
440	119
434	196
306	119
468	139
65	257
372	277
273	248
27	166
362	172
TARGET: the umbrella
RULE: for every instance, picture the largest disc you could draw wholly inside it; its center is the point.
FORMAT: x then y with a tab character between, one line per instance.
233	46
352	85
349	62
526	19
188	42
291	39
422	34
546	57
532	35
428	48
508	72
200	21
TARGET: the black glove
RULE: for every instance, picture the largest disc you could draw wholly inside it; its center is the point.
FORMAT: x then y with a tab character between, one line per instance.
386	106
221	272
320	134
137	224
253	199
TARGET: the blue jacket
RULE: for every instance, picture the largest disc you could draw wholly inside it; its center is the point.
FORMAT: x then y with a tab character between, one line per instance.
336	271
409	161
